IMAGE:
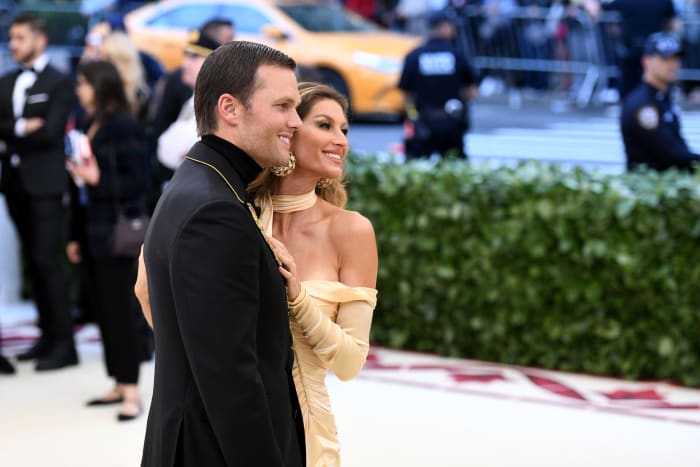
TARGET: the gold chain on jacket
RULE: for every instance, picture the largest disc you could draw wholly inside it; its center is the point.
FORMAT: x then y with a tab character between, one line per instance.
250	207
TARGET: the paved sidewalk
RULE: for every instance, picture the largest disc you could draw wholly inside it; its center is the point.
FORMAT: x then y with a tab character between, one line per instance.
405	409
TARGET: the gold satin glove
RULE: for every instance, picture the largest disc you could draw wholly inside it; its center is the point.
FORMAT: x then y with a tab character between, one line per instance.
342	345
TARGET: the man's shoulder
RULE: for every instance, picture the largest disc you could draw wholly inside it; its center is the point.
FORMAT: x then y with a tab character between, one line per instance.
201	184
8	75
638	97
195	192
641	111
54	73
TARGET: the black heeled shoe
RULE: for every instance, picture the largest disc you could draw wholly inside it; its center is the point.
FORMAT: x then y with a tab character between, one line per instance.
39	348
125	417
100	401
6	367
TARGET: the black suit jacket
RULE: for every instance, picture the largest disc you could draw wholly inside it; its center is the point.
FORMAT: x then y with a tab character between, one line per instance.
42	169
223	393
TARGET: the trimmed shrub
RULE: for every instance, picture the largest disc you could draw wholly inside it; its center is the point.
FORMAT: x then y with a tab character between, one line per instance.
574	271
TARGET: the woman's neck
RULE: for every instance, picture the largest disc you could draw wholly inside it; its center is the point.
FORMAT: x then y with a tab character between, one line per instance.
295	185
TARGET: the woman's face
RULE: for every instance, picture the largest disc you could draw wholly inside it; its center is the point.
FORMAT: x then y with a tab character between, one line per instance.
86	94
321	143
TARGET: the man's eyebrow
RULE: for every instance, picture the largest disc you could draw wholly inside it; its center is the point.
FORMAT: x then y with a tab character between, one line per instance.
287	100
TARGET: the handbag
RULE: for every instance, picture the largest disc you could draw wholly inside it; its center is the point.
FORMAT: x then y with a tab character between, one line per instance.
128	235
129	232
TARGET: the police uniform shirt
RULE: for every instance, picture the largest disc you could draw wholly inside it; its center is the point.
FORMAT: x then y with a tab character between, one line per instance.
435	73
651	131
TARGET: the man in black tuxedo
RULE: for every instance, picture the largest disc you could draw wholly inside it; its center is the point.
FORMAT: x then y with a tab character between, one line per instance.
34	105
223	393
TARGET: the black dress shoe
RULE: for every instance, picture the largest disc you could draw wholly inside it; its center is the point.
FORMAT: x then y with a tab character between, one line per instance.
40	348
60	356
6	367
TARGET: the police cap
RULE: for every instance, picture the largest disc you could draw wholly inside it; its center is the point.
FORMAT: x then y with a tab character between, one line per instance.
200	44
437	17
665	44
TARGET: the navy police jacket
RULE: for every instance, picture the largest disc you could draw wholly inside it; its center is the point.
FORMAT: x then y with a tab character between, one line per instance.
651	131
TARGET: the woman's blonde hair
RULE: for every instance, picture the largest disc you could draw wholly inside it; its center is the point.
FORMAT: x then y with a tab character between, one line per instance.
334	192
119	50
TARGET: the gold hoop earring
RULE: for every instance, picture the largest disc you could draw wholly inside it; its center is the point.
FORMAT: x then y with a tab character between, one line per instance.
324	183
284	170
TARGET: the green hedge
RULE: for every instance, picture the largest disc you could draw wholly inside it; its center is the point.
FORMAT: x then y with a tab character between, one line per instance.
536	266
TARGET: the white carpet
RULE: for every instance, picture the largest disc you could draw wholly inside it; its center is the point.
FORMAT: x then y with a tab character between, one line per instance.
405	409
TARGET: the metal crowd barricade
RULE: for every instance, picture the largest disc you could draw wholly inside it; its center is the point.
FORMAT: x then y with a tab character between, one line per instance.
556	48
690	70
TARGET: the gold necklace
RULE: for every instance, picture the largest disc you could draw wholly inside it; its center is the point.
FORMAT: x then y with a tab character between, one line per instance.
250	207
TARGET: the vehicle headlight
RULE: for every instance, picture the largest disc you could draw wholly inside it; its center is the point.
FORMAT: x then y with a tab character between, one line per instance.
377	62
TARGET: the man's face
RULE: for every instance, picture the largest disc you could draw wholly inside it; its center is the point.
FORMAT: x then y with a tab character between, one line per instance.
663	69
190	68
223	34
266	126
25	45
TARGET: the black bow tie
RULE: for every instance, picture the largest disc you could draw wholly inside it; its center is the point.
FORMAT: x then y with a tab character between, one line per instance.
30	68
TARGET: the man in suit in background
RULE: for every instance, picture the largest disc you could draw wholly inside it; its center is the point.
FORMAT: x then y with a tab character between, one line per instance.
172	92
34	105
223	393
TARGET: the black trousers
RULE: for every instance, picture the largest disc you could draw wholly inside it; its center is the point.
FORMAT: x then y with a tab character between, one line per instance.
41	223
119	318
443	136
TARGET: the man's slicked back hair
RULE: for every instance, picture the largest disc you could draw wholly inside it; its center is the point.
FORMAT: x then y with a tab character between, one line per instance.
36	23
231	69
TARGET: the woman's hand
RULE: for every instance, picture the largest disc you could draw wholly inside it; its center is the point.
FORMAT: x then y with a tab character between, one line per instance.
33	125
73	252
87	170
288	269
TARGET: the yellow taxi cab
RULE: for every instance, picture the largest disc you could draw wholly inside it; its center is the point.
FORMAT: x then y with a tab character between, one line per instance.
351	54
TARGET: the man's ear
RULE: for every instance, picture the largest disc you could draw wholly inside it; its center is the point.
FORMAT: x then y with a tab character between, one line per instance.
43	41
229	109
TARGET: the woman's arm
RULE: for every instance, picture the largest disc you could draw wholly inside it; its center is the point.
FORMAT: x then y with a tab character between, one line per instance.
342	345
141	290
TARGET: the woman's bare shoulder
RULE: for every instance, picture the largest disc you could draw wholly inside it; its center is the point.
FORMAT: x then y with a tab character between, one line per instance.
350	224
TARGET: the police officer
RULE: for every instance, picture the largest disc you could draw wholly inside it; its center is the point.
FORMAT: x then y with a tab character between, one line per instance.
437	83
650	121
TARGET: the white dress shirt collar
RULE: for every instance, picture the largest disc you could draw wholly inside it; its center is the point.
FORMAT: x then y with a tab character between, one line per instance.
40	63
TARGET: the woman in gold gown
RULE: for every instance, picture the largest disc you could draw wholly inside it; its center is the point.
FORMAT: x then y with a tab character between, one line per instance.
329	260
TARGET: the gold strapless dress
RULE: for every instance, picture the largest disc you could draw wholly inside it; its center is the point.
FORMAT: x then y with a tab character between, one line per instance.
330	325
344	350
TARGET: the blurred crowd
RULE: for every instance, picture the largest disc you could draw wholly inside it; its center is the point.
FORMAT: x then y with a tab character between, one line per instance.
550	44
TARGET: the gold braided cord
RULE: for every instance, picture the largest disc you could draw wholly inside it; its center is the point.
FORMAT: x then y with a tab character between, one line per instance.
250	207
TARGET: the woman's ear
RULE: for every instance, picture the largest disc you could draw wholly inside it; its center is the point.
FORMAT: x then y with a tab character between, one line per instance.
229	109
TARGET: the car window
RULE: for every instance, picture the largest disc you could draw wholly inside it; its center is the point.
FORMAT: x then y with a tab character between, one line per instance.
184	16
247	19
325	18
